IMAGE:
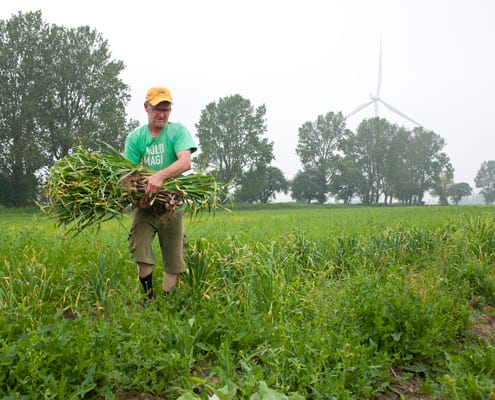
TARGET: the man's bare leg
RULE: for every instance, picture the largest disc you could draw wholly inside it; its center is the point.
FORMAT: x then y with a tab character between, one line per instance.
169	281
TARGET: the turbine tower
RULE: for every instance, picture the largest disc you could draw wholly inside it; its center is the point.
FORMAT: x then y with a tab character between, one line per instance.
377	99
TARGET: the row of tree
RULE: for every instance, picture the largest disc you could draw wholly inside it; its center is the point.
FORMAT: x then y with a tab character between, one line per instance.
381	162
60	88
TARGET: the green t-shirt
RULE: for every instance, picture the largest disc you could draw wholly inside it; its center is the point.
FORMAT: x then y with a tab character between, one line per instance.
158	152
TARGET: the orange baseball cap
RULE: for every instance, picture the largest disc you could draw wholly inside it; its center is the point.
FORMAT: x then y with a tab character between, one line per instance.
158	94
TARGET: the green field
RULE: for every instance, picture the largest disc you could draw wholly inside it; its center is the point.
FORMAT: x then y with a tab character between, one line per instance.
278	303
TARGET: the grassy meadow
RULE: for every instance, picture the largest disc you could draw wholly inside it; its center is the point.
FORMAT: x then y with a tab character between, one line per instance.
278	303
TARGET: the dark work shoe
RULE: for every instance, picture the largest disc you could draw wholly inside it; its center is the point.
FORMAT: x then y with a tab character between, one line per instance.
150	296
169	293
146	302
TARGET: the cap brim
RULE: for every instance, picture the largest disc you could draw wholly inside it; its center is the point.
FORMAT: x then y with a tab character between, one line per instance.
160	100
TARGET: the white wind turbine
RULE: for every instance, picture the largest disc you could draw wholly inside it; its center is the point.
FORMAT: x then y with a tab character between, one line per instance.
377	99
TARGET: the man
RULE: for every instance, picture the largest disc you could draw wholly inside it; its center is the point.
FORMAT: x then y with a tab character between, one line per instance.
164	147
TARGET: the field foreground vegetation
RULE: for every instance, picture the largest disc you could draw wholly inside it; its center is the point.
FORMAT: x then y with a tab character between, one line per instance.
323	303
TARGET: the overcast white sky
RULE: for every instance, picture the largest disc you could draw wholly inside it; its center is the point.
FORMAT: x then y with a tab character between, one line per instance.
306	58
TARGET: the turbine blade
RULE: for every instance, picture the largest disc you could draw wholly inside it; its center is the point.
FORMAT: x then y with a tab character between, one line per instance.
360	108
379	84
399	113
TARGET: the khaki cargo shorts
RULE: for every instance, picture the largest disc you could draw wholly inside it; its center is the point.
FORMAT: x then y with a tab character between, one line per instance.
170	230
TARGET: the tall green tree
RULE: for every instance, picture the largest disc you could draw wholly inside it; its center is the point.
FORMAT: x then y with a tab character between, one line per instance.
85	101
231	138
58	88
22	74
309	185
397	177
485	180
457	191
319	145
441	189
346	183
369	150
427	162
262	185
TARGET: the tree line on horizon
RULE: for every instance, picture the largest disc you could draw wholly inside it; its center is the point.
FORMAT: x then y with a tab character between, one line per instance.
60	88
